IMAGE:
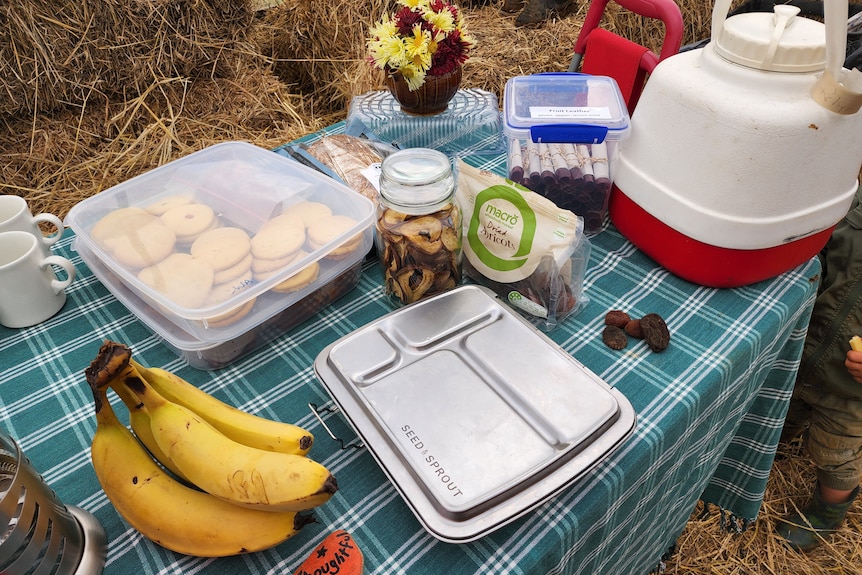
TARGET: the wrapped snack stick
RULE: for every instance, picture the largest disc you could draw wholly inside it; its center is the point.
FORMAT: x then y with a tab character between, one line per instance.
573	161
548	175
601	167
561	169
516	173
586	164
535	163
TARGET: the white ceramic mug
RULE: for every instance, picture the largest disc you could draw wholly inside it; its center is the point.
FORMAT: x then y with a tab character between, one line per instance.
30	291
15	215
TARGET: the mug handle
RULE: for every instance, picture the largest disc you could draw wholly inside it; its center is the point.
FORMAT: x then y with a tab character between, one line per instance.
69	267
54	221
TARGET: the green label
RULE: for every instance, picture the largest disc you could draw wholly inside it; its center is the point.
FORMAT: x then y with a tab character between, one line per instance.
502	218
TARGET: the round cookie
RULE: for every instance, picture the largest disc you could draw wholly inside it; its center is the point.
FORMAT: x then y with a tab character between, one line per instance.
161	206
273	270
279	237
222	292
222	247
259	266
299	280
235	271
309	212
182	278
109	224
136	239
231	316
188	221
325	230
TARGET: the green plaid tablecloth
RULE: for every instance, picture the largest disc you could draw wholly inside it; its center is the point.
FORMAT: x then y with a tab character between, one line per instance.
709	413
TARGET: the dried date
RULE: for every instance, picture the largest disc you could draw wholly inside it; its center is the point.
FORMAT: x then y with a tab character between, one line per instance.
656	333
614	337
617	318
633	328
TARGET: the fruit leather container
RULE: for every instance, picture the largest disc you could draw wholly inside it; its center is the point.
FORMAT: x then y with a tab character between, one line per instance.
563	134
257	244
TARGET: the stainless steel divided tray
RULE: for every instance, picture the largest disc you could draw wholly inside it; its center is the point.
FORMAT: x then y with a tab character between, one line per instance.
475	416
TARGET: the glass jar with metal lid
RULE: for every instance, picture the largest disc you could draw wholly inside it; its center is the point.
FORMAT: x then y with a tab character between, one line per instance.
418	225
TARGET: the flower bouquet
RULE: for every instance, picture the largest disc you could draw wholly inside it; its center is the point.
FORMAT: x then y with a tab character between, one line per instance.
423	38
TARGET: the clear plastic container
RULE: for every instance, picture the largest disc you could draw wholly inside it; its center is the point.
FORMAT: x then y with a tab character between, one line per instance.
563	134
472	121
245	187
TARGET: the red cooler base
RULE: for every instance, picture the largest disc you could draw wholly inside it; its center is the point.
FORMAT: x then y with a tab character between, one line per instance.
702	263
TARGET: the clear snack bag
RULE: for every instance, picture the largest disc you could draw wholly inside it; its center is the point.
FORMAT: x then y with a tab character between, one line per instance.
522	246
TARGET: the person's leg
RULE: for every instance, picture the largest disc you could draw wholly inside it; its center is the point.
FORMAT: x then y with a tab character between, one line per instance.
827	394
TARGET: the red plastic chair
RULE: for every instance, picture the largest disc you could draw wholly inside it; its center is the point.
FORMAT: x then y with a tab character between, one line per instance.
603	53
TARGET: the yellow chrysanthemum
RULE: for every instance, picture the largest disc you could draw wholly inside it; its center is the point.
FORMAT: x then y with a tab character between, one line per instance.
414	76
442	21
414	3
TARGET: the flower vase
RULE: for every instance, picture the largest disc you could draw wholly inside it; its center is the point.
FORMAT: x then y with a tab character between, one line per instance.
432	97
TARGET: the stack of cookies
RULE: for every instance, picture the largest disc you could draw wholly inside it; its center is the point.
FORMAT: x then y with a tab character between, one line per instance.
181	249
228	251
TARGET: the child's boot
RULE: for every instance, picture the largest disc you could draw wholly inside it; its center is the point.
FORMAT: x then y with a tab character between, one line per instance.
808	528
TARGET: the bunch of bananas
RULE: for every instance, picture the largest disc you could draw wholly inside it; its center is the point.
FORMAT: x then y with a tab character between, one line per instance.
224	466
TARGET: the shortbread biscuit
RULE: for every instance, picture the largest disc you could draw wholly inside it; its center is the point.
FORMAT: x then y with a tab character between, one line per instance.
325	230
232	316
303	278
279	237
161	206
235	271
259	266
189	221
309	212
135	238
222	292
182	278
222	247
107	226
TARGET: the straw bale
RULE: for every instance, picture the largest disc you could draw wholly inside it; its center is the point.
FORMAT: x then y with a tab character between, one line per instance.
59	54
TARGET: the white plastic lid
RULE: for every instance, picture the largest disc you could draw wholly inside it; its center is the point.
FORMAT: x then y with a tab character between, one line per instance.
779	41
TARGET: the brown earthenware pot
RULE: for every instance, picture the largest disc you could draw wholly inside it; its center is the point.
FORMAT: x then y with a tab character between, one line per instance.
432	97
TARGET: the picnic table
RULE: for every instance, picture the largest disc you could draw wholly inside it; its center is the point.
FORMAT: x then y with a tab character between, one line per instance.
709	414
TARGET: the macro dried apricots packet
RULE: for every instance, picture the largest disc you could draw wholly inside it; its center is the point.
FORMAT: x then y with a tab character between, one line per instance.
522	246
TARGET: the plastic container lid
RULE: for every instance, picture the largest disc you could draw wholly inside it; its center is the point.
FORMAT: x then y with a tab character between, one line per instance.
565	107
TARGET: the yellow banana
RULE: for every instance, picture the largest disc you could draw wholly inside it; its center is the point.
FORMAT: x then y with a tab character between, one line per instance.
241	426
139	420
166	511
229	470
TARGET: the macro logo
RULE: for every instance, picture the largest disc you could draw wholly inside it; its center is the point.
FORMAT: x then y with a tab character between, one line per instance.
502	228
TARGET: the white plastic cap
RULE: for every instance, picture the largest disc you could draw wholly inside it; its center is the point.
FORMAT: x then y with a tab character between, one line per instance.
780	41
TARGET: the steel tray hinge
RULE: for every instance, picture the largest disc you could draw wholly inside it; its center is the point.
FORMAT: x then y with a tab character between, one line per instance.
317	411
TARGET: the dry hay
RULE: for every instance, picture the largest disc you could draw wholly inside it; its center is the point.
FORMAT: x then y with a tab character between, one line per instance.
131	96
707	547
55	55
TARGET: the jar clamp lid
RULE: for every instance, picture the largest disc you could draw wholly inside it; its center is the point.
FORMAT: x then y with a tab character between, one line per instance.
417	180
